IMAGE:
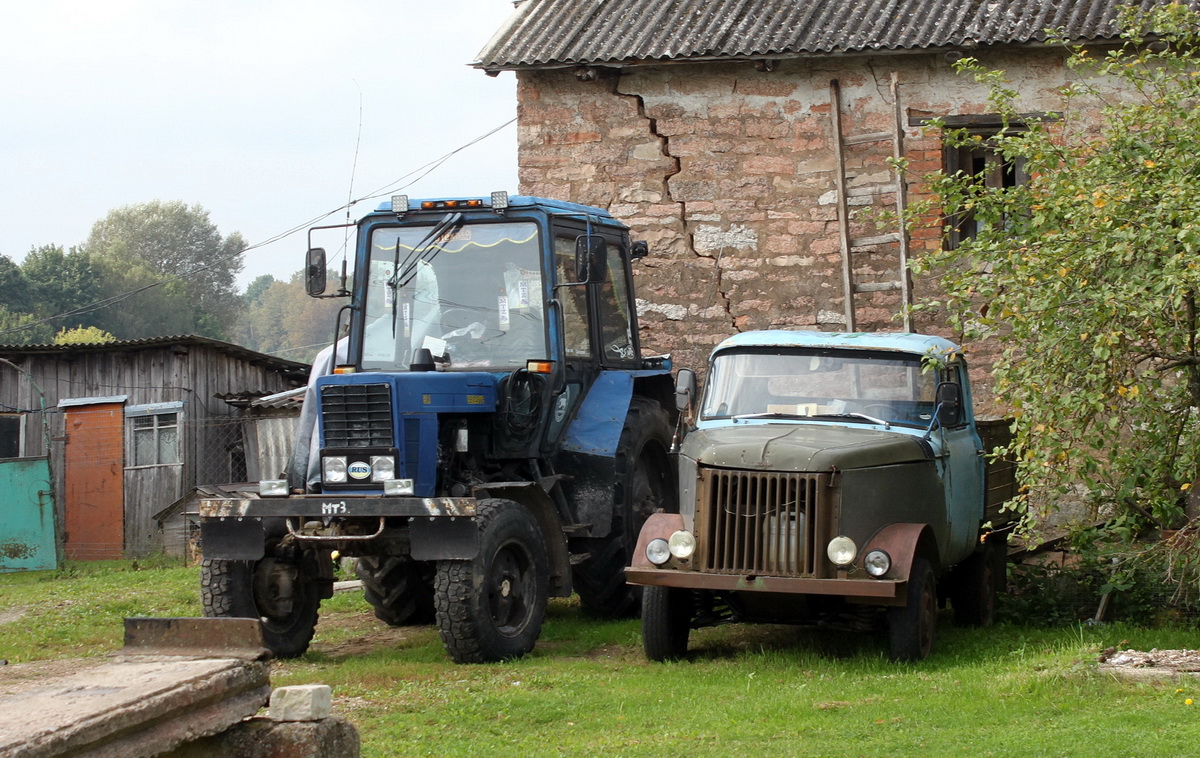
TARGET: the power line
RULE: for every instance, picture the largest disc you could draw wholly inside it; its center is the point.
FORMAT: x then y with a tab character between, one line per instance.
398	184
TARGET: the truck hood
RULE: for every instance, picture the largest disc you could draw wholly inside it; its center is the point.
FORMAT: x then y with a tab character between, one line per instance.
802	447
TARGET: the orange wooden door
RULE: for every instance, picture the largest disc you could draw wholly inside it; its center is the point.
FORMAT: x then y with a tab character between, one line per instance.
95	487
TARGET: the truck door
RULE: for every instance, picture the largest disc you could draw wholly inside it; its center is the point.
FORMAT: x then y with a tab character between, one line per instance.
963	478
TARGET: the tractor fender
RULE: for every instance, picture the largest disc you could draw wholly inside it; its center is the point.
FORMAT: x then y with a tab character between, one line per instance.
904	543
535	499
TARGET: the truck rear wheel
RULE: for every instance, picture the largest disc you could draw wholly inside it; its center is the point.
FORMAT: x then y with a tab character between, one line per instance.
666	622
491	608
398	588
911	627
643	485
283	594
974	583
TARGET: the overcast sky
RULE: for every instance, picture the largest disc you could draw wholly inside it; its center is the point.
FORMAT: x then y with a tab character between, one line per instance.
249	108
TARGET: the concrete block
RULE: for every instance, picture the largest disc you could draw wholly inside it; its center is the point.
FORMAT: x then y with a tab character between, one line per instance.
264	738
304	702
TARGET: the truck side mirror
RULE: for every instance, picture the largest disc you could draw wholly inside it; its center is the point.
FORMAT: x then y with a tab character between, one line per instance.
314	272
949	404
591	257
685	390
638	250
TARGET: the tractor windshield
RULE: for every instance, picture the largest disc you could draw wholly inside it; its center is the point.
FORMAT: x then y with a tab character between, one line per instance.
854	386
470	293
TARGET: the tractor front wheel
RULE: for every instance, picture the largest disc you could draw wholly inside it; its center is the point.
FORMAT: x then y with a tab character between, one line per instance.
491	608
284	594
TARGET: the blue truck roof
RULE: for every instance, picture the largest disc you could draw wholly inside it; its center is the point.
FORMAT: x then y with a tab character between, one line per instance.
917	344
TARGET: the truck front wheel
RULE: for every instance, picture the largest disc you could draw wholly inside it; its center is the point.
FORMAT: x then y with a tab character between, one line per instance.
282	593
491	608
666	622
911	627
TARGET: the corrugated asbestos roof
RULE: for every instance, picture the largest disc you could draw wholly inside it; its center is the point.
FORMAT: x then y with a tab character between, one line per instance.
558	33
180	341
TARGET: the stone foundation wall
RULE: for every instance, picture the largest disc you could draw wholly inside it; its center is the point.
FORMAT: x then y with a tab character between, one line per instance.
728	173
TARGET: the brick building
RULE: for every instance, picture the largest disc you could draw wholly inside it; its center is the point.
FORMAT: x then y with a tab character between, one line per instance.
711	127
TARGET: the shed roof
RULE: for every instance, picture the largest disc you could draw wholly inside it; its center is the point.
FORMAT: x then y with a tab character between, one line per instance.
564	33
180	342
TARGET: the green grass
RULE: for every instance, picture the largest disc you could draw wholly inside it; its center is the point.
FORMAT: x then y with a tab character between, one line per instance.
587	690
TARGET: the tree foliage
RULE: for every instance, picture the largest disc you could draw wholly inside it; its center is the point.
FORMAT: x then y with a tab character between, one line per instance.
83	335
1089	274
141	244
280	318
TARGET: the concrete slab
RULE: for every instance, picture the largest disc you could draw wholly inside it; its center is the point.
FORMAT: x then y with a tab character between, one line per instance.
127	707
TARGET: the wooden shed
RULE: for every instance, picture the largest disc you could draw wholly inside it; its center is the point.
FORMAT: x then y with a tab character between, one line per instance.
130	427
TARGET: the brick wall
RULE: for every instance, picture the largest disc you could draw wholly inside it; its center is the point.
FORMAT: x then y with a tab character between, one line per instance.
728	173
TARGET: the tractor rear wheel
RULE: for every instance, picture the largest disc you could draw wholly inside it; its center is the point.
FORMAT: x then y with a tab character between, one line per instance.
398	588
643	485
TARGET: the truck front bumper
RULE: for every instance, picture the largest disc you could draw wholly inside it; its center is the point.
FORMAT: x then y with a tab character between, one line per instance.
877	591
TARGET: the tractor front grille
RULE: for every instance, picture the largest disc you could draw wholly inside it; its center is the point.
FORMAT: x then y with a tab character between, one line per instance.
357	415
754	522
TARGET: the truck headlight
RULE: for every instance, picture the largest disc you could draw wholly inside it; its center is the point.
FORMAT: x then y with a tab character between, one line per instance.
682	544
658	551
877	563
383	467
842	551
333	469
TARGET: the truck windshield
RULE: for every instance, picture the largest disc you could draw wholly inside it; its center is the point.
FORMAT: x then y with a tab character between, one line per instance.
851	385
473	296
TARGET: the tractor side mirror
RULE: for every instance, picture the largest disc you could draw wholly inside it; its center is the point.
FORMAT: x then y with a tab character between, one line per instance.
685	390
638	250
591	258
949	404
314	272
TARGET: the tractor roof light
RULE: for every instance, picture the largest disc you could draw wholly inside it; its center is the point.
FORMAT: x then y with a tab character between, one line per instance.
399	204
499	201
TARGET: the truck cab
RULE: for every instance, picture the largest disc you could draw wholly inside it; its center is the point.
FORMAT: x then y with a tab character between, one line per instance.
828	478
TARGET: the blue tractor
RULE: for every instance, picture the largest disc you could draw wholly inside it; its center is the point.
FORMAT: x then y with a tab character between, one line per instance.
485	436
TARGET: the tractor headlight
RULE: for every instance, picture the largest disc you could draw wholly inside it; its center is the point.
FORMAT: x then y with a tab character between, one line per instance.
658	551
383	467
877	563
842	551
333	469
682	544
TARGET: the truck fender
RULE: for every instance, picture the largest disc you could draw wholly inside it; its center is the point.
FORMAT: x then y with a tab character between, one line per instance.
903	543
657	525
534	498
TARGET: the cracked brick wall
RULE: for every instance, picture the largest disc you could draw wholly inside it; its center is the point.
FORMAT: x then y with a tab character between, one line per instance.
728	173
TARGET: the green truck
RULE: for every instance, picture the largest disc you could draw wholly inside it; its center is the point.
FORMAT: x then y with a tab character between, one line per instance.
838	480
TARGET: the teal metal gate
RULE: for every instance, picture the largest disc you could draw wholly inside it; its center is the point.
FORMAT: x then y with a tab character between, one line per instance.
26	516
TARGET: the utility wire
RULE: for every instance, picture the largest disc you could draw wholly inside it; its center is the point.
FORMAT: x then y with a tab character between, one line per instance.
398	184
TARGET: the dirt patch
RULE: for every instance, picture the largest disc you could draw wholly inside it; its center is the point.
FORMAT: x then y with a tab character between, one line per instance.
379	637
9	615
1153	664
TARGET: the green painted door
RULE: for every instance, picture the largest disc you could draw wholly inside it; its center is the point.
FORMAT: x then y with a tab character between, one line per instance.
26	516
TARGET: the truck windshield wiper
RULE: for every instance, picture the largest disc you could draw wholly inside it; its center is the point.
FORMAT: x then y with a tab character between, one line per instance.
872	419
771	414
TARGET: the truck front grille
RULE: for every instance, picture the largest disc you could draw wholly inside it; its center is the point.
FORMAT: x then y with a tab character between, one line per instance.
357	415
751	522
